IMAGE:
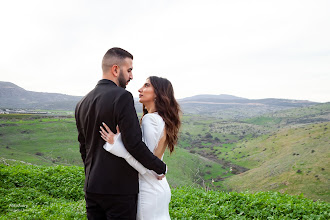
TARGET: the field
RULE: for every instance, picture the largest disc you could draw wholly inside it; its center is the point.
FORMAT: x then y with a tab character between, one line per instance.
44	140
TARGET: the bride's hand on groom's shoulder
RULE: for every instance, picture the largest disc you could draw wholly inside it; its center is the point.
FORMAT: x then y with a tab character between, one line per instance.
107	134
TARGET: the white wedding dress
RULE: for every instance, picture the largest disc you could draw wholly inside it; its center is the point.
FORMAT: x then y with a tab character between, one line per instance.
155	195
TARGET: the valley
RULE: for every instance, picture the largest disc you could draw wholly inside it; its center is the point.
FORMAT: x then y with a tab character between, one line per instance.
285	151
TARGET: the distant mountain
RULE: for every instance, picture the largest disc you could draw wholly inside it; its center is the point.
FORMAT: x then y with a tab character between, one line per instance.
13	96
211	98
230	99
233	107
220	106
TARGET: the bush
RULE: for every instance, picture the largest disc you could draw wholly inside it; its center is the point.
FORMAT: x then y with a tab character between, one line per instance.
192	203
208	135
58	181
38	192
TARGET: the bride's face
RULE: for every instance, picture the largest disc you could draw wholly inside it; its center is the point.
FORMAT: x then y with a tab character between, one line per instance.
147	93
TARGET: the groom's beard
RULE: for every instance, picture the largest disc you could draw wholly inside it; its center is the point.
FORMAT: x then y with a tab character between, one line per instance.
121	80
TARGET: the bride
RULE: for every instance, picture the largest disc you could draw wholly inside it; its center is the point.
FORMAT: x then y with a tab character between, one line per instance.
160	125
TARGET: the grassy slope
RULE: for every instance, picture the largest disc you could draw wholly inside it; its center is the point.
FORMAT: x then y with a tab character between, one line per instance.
53	140
41	141
186	169
293	160
225	134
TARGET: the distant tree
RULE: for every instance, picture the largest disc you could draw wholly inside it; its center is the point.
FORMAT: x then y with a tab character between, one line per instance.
208	135
39	154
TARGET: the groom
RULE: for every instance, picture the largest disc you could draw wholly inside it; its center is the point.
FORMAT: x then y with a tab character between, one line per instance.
111	184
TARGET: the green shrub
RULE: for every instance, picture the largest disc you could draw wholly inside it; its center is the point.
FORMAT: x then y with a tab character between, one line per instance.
59	181
192	203
38	192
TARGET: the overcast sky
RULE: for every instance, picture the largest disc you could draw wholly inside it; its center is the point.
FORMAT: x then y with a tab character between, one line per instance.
251	49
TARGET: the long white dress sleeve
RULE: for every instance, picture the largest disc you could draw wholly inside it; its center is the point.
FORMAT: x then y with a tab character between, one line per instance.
118	149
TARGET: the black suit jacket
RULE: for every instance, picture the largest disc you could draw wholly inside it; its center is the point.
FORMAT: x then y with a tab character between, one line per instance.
104	172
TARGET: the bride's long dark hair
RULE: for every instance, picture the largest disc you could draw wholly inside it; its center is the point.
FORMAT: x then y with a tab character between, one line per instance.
168	108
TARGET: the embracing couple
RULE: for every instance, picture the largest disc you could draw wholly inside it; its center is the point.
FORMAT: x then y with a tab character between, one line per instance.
124	171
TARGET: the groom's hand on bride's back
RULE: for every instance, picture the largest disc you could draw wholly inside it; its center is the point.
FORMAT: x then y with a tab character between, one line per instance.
157	176
160	177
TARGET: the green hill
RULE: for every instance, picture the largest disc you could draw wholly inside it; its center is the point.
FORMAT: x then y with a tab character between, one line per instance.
56	192
292	160
52	140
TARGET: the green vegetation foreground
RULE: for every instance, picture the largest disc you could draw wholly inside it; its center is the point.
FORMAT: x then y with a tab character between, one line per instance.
40	192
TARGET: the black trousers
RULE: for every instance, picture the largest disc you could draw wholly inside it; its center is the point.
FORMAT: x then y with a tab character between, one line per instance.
106	207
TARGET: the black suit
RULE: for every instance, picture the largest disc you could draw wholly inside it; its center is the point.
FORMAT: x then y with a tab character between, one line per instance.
104	172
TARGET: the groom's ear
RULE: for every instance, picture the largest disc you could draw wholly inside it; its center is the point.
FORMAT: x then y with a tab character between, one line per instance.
115	70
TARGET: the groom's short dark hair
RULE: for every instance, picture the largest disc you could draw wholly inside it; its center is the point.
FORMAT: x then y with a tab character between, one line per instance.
113	56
